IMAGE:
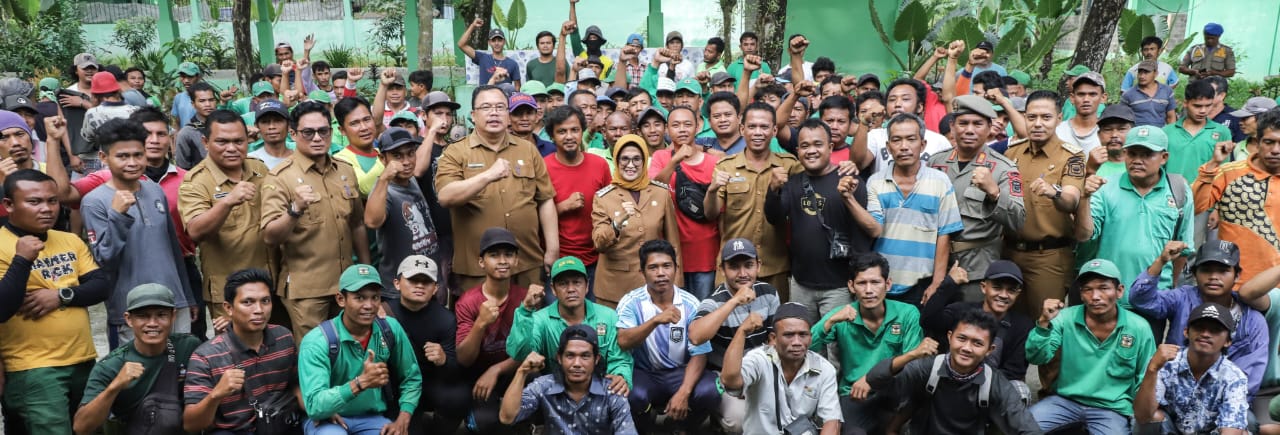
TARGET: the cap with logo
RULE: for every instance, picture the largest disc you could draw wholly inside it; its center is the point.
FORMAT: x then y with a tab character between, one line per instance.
270	107
1003	269
418	265
1254	106
437	98
1213	29
261	88
396	137
1101	267
104	83
1213	312
49	88
494	237
519	100
674	35
534	88
13	103
1116	113
689	85
149	295
580	332
588	75
357	277
595	30
497	33
1218	251
85	59
986	45
665	84
973	105
738	247
1089	77
1148	137
1148	65
190	69
567	264
635	39
721	77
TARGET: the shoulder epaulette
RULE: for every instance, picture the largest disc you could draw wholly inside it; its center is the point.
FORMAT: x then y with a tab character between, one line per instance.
280	167
606	189
660	184
1072	148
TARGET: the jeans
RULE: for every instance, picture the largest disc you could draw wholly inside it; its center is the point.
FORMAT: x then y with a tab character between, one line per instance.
1055	412
700	283
652	391
366	425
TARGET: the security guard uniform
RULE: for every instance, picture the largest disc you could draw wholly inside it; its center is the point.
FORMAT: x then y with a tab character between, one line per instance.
1204	58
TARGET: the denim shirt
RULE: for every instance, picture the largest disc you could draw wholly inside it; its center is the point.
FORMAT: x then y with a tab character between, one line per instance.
598	412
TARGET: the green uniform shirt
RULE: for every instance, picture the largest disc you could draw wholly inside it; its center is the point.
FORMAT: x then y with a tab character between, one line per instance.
129	399
1102	374
718	67
1187	152
735	71
540	332
859	349
1110	169
240	105
326	385
1131	229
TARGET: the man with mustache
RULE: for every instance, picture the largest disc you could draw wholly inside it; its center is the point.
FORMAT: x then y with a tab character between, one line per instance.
1000	289
1216	269
576	176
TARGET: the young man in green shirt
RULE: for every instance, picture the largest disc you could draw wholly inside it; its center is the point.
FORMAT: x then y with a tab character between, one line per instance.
145	368
538	330
343	393
1104	354
1194	137
867	331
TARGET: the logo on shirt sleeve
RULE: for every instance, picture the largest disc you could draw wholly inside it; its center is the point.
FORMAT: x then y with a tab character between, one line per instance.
1015	183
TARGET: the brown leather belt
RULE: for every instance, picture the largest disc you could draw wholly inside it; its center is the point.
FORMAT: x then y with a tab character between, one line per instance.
1042	245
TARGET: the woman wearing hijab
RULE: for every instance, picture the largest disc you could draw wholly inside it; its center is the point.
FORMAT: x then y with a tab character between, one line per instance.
624	215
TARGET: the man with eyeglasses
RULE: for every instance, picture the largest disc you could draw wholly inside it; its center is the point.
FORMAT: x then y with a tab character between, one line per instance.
311	209
493	179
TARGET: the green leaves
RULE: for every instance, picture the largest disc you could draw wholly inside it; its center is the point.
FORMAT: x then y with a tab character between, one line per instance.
912	24
1133	28
1010	40
517	15
24	11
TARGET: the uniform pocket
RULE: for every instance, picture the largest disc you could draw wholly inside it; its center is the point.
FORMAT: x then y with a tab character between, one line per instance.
738	195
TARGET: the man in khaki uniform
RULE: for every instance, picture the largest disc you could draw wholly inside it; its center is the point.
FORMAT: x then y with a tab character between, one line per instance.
311	208
988	190
220	209
494	179
1056	170
737	191
1211	58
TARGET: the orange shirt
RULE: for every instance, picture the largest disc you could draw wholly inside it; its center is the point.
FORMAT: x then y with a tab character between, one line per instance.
1247	212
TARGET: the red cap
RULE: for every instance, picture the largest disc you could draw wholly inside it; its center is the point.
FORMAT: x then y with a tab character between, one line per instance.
104	83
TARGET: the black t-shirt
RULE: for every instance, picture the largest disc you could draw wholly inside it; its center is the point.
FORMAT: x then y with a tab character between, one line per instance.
810	240
439	214
433	323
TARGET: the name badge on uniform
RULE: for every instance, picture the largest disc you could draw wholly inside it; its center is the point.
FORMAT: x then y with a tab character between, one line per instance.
677	334
221	195
1126	341
737	179
895	328
600	330
519	169
346	189
475	165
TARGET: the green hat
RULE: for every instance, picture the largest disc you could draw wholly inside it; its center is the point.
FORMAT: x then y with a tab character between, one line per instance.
319	96
534	88
358	276
1022	77
567	264
1076	70
1102	267
263	87
1148	137
149	295
556	87
188	69
689	84
404	115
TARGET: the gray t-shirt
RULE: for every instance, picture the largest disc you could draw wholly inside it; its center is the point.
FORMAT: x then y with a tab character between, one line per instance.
407	231
190	147
270	160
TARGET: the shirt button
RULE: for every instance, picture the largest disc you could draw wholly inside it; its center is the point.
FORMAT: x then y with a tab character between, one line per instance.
508	214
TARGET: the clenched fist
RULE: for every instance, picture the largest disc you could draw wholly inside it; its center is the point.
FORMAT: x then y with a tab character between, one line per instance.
488	314
122	200
29	247
231	382
982	179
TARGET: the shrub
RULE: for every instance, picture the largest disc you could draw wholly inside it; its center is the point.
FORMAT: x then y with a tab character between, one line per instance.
135	34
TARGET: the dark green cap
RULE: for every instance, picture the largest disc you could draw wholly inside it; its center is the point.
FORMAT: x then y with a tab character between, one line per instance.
149	295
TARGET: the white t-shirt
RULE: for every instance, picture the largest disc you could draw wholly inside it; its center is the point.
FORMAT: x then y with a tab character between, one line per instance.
877	140
1087	142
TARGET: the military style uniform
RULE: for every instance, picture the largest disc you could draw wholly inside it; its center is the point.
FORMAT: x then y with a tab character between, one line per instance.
743	214
320	246
1219	58
985	219
618	238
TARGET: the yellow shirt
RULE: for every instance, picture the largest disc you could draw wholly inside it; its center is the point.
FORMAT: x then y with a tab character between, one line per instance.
62	337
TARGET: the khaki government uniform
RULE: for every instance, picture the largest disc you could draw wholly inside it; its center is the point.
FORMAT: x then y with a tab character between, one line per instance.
320	246
985	219
618	269
1043	248
238	242
510	203
743	216
1200	57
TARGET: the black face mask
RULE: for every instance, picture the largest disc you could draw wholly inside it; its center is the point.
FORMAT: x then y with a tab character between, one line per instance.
593	46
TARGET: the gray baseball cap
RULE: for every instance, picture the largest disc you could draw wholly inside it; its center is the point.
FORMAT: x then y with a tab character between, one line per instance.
1254	106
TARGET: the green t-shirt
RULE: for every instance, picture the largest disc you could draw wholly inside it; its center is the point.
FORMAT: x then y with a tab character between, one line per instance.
129	399
543	72
1110	169
859	348
1187	152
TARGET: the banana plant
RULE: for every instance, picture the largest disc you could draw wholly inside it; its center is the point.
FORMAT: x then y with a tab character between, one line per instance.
510	20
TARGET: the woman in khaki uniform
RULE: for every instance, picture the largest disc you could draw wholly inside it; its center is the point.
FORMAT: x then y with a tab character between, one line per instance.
625	214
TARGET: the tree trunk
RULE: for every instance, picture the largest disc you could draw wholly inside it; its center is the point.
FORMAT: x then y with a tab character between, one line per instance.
1096	33
426	17
243	40
482	9
726	26
771	25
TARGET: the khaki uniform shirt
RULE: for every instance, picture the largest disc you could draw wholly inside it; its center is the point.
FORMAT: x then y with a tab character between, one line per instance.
1058	163
1200	57
238	242
743	212
320	246
618	270
985	221
511	203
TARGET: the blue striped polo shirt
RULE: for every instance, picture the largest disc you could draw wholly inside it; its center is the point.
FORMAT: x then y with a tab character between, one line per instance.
912	224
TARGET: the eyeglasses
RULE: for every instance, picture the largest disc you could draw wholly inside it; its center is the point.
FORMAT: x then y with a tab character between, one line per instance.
312	132
626	161
492	108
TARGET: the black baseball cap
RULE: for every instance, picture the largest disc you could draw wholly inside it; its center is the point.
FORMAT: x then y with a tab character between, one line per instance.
863	79
1218	251
1003	269
738	247
1117	112
396	137
580	332
792	310
1215	312
271	106
986	45
495	237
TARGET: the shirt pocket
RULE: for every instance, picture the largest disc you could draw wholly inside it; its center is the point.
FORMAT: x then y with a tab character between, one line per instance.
1124	364
474	169
738	195
1164	220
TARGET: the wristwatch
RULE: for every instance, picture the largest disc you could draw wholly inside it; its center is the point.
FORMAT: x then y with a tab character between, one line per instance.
293	213
1057	191
65	295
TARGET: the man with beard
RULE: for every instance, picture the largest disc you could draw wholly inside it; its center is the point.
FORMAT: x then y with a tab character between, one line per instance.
526	116
988	189
495	60
576	177
575	399
397	210
788	365
711	57
1103	347
956	392
903	96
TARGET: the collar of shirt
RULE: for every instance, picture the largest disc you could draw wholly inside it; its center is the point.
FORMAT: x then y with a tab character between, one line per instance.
1181	366
740	161
890	315
21	232
1127	184
810	366
1209	124
306	164
235	346
220	178
596	388
1122	320
1050	149
475	140
588	311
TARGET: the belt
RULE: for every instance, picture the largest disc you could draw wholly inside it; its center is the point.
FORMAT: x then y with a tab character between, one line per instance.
1042	245
965	245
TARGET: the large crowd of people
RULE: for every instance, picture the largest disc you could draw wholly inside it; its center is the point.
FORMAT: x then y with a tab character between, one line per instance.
605	245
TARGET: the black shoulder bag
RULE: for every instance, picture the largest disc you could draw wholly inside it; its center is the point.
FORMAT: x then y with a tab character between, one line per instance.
689	195
161	410
799	426
278	416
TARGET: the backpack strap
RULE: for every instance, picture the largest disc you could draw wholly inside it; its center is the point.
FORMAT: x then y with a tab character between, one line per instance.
384	328
938	361
1179	187
330	334
984	392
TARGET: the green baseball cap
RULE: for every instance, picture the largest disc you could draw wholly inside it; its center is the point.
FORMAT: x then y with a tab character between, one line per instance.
319	96
534	88
188	69
689	84
1147	137
263	87
567	264
1022	77
358	276
1100	266
149	295
404	115
556	87
1076	70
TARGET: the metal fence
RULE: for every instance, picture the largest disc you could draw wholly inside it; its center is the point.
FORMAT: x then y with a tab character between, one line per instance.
107	12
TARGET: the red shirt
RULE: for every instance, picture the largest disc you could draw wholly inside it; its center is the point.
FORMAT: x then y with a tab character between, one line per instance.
589	176
934	110
493	349
169	183
699	241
